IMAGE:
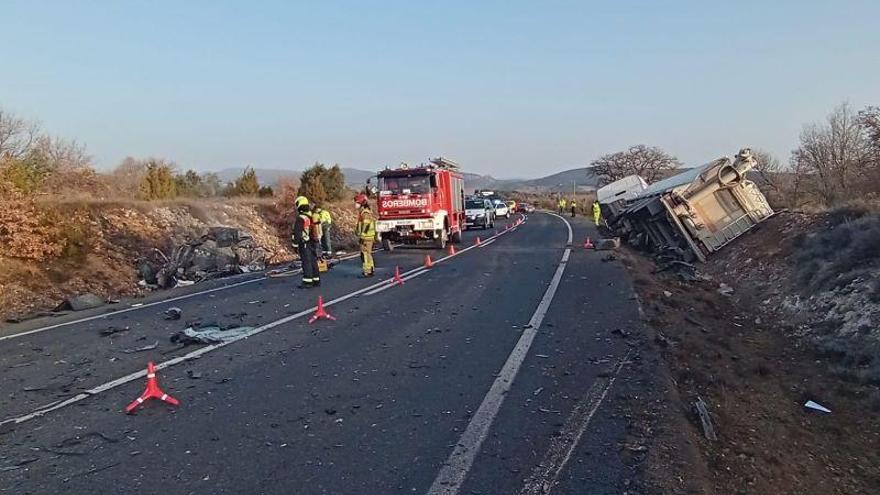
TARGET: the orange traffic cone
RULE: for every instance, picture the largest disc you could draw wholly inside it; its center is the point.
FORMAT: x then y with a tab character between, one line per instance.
321	312
429	263
477	242
451	250
152	392
588	244
397	279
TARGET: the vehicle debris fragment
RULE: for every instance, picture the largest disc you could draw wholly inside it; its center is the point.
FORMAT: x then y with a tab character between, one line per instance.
211	334
142	349
702	413
173	313
816	407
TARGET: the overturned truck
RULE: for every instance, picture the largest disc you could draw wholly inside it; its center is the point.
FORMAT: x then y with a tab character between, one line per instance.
694	213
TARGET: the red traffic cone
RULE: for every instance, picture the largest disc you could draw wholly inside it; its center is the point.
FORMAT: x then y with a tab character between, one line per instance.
429	263
477	242
152	392
451	250
588	244
397	279
321	312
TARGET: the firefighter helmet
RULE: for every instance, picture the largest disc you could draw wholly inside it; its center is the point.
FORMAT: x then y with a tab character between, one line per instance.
301	201
360	198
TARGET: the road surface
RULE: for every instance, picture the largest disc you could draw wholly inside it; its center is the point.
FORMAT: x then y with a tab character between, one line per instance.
497	371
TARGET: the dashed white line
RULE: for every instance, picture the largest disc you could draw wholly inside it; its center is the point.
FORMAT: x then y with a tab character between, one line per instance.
458	465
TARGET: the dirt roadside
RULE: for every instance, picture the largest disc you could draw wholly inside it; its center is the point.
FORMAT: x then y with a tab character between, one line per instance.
749	360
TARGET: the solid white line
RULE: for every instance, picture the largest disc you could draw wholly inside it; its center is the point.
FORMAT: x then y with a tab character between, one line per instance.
562	446
486	243
457	466
202	350
392	283
146	305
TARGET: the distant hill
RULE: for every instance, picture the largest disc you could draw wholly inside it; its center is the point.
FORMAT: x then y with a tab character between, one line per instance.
558	182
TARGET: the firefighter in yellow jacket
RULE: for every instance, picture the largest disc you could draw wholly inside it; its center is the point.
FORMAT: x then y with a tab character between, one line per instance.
597	212
306	244
366	233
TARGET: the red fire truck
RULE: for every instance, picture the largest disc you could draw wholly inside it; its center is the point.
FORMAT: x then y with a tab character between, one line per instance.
424	203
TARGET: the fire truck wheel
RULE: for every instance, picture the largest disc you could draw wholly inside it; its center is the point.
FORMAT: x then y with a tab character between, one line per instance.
386	244
440	239
456	237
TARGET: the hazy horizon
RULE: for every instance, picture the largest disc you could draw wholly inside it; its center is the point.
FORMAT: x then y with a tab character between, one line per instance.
508	89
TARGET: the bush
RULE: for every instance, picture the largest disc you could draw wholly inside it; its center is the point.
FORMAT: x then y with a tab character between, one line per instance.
850	248
320	184
245	185
158	181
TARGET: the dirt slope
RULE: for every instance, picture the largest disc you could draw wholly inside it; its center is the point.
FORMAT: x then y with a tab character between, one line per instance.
757	354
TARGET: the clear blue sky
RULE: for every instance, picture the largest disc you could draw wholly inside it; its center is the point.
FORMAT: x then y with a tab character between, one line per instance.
515	89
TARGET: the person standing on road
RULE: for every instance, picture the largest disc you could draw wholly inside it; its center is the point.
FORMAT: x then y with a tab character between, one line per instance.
366	233
597	212
306	249
561	205
326	220
573	208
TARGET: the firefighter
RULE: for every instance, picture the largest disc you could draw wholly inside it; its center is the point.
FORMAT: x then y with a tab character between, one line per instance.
305	245
366	233
317	232
597	212
561	205
573	208
326	221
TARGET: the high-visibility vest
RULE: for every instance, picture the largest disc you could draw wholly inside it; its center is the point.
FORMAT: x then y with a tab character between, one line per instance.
325	217
307	226
366	226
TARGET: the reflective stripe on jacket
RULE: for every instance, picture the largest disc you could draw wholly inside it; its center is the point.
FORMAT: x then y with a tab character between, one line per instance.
301	229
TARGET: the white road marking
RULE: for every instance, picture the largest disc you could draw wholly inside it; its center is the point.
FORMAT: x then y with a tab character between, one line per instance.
391	283
562	446
198	352
490	241
458	465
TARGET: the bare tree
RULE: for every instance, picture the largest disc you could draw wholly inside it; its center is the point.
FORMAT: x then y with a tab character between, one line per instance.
835	154
62	154
649	162
768	168
17	135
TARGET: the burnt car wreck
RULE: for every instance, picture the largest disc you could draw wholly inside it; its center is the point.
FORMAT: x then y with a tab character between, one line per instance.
694	213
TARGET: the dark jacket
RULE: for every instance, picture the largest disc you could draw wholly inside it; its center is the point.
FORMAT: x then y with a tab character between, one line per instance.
302	228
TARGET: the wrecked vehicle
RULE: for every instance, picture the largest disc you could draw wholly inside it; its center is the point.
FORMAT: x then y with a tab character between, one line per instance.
221	251
694	213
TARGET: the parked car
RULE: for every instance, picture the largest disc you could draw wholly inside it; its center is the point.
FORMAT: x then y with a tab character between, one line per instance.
501	209
525	208
478	212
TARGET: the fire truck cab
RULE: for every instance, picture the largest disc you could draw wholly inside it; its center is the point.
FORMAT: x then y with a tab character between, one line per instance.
421	204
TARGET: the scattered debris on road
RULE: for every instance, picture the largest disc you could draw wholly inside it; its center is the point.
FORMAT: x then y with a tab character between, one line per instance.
209	334
142	349
702	413
81	303
173	313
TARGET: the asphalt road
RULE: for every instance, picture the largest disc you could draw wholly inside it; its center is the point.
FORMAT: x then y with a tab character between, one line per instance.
496	371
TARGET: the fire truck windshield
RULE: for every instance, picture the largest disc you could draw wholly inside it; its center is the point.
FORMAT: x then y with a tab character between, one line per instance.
414	184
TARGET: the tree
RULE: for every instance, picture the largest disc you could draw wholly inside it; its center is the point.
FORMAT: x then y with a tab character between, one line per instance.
835	156
17	135
210	185
158	181
246	184
649	162
311	183
334	183
265	192
188	184
767	167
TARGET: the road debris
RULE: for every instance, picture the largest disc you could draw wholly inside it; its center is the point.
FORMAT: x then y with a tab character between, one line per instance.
211	334
113	331
18	464
142	349
608	244
702	413
173	313
816	407
725	289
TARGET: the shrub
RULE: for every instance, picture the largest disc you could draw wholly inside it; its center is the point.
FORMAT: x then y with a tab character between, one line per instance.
320	184
838	255
158	181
